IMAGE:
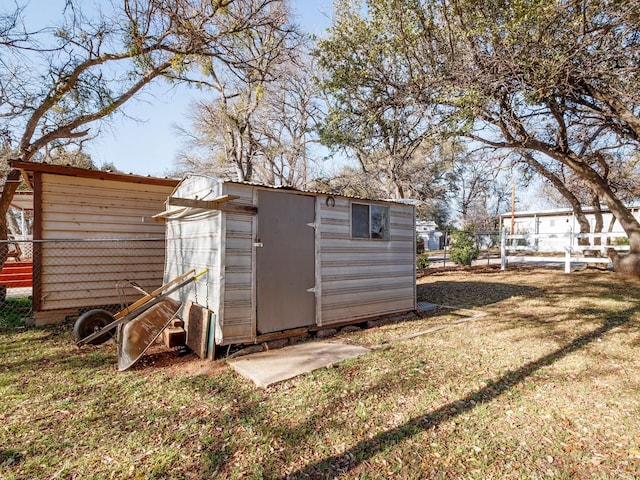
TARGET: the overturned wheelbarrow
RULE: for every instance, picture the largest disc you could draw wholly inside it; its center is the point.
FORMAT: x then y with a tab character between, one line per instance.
138	326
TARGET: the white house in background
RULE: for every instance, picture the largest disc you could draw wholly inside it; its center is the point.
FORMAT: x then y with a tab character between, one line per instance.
428	231
550	229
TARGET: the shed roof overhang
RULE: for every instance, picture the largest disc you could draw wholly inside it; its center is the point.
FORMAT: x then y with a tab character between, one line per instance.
29	168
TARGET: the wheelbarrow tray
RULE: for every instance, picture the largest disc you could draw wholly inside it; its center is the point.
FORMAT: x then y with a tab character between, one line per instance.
141	305
136	336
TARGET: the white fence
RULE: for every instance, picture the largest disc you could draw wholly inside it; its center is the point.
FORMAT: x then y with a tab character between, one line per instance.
530	248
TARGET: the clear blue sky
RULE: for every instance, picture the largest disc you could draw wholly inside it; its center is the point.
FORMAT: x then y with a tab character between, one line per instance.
146	143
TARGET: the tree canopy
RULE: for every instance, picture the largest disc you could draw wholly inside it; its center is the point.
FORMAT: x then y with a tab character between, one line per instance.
58	83
556	80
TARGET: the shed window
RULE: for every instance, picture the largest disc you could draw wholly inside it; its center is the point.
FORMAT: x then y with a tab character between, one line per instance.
369	221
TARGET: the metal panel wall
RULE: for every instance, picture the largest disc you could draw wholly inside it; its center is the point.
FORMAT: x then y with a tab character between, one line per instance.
285	263
194	240
77	208
362	278
222	243
238	313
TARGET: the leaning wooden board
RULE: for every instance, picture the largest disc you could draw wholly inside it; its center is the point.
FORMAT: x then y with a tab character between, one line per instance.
196	323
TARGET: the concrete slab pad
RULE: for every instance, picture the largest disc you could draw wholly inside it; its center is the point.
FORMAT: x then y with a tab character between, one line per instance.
426	307
273	366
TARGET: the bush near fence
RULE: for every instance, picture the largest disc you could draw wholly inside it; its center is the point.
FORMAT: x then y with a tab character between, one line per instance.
487	243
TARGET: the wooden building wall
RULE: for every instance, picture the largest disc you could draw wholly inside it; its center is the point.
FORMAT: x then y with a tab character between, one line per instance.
70	272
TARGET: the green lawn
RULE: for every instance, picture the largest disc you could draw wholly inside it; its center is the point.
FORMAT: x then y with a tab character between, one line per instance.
14	311
544	386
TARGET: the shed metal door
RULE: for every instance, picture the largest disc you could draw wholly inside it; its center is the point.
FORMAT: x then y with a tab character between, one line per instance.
285	263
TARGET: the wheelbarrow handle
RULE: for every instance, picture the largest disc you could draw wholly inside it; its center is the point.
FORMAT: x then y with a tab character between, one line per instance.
153	294
144	303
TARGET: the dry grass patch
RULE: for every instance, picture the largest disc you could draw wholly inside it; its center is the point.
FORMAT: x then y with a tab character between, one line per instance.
544	386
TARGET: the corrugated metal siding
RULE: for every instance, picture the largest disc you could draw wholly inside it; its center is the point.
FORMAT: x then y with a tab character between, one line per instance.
83	274
362	278
194	241
238	318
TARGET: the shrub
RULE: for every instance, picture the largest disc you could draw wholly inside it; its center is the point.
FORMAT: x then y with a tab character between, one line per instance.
422	261
464	249
620	241
13	312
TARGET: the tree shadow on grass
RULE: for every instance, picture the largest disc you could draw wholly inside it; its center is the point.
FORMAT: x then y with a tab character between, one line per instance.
366	449
471	294
563	310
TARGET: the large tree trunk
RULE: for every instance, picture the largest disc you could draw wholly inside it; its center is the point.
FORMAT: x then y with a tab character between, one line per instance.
628	264
10	186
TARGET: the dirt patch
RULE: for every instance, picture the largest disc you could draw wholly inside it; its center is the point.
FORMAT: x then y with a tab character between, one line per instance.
178	363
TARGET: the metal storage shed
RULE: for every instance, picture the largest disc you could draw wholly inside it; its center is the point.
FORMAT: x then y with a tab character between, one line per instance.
280	259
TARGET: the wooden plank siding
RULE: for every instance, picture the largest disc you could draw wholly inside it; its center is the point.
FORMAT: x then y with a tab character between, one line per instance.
76	208
74	269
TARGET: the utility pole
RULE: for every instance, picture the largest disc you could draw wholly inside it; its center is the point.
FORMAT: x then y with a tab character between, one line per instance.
513	208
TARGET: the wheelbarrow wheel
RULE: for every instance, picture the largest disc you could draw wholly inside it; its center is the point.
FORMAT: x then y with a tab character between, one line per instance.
91	322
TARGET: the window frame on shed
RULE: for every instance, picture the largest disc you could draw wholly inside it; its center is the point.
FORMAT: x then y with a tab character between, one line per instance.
375	222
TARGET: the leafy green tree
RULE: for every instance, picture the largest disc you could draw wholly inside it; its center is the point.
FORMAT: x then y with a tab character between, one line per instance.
58	83
374	115
422	260
559	80
464	248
